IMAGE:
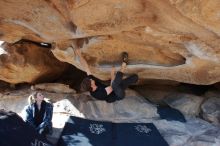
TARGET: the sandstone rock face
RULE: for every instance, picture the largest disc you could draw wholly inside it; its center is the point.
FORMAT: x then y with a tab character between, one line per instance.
27	62
14	100
54	87
166	39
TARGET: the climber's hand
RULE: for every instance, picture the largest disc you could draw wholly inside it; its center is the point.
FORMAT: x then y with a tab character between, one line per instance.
113	70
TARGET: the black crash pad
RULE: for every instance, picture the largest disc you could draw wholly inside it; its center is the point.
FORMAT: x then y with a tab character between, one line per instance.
15	132
97	133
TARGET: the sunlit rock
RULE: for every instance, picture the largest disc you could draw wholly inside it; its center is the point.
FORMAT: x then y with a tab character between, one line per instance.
173	39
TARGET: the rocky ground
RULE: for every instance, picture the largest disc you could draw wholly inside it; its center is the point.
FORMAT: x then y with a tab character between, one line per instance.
202	112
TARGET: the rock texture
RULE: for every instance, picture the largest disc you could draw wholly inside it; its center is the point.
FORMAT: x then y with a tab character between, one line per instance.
28	62
156	93
187	103
211	110
133	108
166	39
53	87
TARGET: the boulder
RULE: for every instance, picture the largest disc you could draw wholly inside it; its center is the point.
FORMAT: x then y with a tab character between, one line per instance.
133	107
15	100
155	92
211	110
187	103
195	132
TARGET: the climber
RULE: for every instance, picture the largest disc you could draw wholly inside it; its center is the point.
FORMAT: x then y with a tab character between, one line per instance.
116	90
38	113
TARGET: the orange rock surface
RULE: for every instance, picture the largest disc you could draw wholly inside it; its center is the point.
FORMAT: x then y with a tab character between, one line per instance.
166	39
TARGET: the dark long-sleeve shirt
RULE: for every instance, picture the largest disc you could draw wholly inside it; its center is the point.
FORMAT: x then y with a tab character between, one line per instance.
100	93
46	116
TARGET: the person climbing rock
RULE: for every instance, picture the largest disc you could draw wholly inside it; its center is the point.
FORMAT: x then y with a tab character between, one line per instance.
116	90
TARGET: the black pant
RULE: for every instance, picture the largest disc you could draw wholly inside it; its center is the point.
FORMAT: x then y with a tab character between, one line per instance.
44	131
119	84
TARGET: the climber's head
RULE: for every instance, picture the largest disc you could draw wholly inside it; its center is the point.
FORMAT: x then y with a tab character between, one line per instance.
88	84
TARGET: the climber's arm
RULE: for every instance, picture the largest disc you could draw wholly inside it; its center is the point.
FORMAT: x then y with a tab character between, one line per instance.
112	74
